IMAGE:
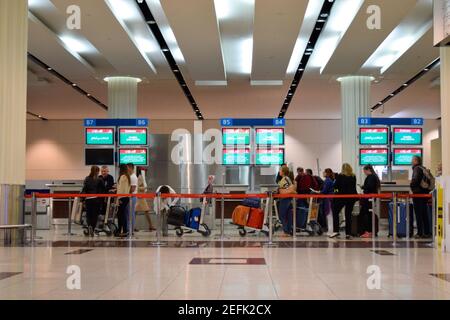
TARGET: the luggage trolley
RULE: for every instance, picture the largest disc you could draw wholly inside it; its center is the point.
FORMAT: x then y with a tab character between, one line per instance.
252	221
309	218
106	223
188	220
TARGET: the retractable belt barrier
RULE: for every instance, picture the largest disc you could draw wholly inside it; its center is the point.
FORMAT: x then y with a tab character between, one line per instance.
270	196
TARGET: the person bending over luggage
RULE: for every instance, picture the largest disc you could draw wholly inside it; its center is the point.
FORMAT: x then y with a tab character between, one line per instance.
420	204
166	203
92	185
123	187
345	184
286	186
371	185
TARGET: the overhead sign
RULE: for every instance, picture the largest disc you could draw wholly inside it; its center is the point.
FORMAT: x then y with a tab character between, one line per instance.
236	136
133	136
408	136
140	122
368	121
270	136
136	156
99	136
404	156
229	122
374	157
373	136
273	156
231	157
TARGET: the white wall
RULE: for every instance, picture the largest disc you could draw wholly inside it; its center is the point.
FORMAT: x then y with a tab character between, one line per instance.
55	148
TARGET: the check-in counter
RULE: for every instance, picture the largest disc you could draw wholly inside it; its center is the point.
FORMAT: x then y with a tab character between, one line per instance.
59	208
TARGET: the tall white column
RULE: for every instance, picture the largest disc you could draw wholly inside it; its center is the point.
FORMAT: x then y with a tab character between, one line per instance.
122	97
355	97
445	136
13	94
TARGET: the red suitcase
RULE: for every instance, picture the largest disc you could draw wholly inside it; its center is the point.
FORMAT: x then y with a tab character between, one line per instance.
255	219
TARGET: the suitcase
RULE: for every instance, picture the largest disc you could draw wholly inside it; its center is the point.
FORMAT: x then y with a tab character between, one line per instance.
240	215
252	202
176	216
401	219
255	218
192	218
301	217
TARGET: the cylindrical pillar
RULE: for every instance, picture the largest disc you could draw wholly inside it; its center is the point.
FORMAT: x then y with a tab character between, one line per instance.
445	136
13	94
355	97
122	97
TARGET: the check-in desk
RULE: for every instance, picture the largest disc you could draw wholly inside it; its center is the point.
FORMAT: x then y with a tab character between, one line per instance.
59	208
400	187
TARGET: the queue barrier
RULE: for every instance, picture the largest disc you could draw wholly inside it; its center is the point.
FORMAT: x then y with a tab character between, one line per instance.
269	196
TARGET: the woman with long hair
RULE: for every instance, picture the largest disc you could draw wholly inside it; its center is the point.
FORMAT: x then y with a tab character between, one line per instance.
371	185
142	205
286	186
92	185
123	187
325	216
345	184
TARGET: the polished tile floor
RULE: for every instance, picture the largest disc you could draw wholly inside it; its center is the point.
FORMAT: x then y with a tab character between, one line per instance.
308	270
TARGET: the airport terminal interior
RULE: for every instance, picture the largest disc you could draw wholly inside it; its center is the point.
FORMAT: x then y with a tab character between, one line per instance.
225	149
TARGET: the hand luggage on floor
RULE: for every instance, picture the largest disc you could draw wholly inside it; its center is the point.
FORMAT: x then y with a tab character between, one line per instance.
401	219
240	215
192	218
176	216
255	218
301	217
252	202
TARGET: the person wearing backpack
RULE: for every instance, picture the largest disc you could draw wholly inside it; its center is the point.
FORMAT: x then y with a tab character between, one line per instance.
421	183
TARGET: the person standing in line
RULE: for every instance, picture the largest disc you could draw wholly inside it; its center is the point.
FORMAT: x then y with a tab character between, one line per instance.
314	183
108	180
371	185
279	177
92	185
166	203
123	187
325	216
142	204
420	204
286	186
345	184
134	190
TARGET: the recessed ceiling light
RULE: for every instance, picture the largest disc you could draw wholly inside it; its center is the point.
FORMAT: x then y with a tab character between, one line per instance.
165	49
405	84
49	69
74	84
391	94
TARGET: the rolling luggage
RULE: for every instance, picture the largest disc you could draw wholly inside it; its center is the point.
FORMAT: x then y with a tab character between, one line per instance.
176	216
401	219
252	202
301	217
192	218
240	215
255	218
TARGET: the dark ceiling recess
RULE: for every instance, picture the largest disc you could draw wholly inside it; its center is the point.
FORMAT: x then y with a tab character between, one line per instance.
37	116
318	28
74	86
151	23
407	84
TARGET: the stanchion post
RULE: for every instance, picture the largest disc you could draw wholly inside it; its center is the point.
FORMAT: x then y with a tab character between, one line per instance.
294	218
270	243
374	227
69	227
222	217
394	217
130	218
408	215
158	242
33	217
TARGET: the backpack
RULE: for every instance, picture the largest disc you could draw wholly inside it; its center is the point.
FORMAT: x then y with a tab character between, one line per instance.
428	181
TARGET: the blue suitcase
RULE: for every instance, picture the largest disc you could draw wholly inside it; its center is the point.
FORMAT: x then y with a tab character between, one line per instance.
401	219
252	202
301	217
192	218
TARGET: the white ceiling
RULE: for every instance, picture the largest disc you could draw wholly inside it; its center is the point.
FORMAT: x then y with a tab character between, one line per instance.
231	42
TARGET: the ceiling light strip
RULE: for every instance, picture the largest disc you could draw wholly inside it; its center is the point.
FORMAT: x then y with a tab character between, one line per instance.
407	84
151	23
318	28
74	86
37	116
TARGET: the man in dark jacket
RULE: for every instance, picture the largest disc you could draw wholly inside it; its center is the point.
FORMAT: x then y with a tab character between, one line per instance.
420	204
108	180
